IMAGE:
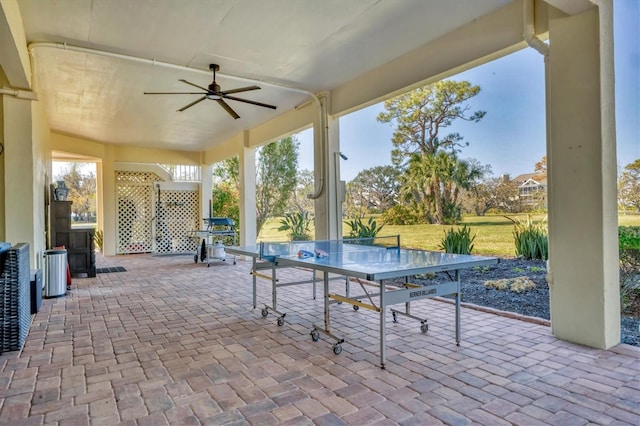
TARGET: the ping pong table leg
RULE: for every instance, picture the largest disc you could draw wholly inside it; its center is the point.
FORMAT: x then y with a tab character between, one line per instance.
274	296
326	330
255	289
458	297
325	287
314	284
274	284
407	305
347	287
383	326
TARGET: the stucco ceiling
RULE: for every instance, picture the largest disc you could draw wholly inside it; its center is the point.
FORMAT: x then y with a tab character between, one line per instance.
308	45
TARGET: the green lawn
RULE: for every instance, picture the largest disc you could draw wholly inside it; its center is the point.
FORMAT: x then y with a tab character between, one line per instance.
494	234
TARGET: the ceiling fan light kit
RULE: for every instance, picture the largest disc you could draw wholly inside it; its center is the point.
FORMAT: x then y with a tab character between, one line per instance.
213	92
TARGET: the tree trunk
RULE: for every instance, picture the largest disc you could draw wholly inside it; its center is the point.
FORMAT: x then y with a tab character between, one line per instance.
437	198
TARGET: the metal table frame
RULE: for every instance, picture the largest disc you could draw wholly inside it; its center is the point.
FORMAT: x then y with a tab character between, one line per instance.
259	264
420	262
389	295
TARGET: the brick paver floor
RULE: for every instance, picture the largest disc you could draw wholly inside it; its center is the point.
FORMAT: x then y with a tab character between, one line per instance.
173	342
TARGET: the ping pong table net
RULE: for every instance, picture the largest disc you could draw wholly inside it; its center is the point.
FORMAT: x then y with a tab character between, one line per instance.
323	248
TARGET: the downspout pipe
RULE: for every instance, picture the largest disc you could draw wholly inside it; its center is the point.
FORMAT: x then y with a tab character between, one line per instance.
529	35
529	28
20	94
320	186
324	141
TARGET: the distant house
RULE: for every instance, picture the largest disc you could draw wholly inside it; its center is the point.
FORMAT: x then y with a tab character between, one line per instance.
532	189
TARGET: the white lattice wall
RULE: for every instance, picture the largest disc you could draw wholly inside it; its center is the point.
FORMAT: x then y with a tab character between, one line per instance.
134	198
151	219
177	219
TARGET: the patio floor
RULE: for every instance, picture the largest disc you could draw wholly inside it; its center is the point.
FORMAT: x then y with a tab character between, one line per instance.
172	342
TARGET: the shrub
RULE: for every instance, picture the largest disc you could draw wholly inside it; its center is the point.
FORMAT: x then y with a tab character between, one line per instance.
404	215
298	225
629	243
226	202
362	230
629	237
530	239
458	241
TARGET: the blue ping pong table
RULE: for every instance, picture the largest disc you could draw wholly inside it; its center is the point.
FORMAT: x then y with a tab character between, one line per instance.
370	261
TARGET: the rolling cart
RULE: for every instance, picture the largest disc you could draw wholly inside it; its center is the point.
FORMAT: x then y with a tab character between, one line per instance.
210	241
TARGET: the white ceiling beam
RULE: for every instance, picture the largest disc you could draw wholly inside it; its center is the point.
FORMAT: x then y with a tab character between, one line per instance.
571	7
14	57
486	38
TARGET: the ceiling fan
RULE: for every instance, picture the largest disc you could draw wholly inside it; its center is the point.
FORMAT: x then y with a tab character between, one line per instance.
214	93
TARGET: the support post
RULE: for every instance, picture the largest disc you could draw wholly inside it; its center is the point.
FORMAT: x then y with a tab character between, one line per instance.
581	158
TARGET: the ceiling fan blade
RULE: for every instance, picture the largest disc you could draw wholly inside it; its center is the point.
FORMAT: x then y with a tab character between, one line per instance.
227	108
192	103
233	98
194	85
174	93
241	89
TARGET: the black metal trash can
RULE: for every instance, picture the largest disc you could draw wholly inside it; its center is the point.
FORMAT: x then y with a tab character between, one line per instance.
36	290
55	273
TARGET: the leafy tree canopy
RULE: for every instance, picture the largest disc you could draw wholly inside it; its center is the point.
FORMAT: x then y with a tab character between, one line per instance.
228	171
299	202
275	178
81	185
541	166
422	115
629	185
434	175
373	190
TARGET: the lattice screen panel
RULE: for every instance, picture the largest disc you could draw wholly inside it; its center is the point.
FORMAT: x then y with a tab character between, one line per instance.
177	219
134	197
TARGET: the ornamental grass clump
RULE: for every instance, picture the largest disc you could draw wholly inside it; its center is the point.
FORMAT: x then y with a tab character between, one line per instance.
298	225
531	239
458	241
517	284
359	229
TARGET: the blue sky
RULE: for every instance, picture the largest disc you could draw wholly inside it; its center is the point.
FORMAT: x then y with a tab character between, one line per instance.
511	137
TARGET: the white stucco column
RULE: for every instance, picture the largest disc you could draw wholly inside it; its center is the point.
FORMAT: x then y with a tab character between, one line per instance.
328	217
109	202
206	189
19	206
581	158
100	199
247	172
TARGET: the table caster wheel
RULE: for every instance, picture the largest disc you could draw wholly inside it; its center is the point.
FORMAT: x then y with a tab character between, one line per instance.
424	327
337	349
195	258
395	316
280	321
234	262
356	307
265	312
208	265
315	335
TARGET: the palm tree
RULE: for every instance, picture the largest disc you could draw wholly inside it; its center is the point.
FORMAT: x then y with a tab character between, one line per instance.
436	181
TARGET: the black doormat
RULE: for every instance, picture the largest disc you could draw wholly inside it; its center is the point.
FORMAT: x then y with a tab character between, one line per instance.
110	269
